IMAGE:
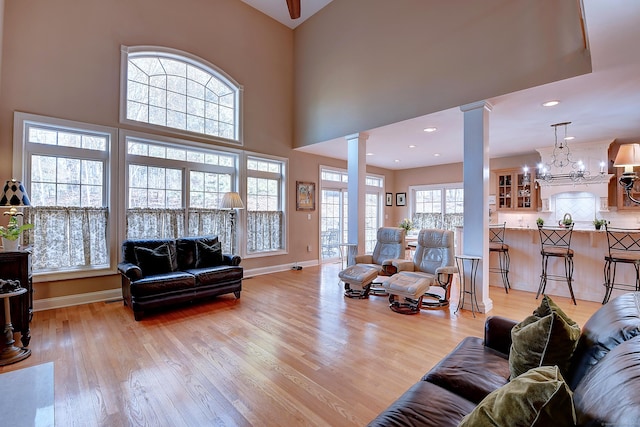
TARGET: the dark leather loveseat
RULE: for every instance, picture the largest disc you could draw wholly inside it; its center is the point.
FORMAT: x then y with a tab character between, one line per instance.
164	272
603	374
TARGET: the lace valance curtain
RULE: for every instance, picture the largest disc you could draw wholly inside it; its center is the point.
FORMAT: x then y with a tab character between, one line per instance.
453	220
67	237
145	223
212	221
264	231
427	220
437	220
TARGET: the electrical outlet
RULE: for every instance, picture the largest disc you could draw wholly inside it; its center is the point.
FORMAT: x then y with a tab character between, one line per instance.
308	248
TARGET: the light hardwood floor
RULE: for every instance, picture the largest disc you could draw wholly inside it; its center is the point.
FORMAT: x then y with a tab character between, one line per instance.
292	351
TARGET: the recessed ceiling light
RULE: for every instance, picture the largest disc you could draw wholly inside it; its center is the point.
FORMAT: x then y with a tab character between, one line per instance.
412	146
432	129
569	138
397	161
369	154
550	103
436	154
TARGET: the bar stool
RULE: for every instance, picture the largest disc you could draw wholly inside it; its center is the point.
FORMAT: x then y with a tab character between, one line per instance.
624	247
556	242
497	244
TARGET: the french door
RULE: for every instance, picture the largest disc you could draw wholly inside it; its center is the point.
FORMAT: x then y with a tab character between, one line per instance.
333	224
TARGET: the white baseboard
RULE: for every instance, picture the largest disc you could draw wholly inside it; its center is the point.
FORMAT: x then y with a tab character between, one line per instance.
116	294
77	299
277	268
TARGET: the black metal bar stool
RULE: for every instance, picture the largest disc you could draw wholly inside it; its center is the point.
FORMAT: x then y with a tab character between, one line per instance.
624	247
497	244
556	242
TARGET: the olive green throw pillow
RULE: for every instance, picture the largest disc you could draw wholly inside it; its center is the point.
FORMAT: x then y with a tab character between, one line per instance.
537	398
547	338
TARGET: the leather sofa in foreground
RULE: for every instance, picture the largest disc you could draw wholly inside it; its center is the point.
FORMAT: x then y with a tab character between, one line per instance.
601	379
165	272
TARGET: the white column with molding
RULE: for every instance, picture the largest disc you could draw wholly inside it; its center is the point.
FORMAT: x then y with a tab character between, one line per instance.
476	194
357	173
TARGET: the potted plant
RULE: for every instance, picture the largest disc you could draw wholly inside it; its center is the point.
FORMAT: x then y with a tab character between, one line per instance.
598	223
406	224
11	234
539	222
566	220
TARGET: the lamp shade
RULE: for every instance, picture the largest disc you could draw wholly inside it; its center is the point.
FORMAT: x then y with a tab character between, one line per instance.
231	200
628	155
14	194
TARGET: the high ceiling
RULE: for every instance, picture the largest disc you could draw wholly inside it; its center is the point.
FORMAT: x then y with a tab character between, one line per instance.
277	9
602	106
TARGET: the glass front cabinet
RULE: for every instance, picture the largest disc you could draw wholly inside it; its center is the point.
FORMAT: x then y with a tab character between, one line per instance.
514	192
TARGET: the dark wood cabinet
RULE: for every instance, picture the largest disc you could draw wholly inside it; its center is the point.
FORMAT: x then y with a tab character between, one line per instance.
17	266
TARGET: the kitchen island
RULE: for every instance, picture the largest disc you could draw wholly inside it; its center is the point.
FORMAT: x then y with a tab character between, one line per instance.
590	248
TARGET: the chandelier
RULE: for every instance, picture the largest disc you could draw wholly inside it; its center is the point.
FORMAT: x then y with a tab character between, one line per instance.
561	159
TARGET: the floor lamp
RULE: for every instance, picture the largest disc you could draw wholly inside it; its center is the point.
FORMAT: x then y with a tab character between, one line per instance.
232	201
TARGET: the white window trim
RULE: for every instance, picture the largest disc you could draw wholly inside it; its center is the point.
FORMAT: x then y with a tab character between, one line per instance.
344	186
427	187
123	184
194	60
242	219
20	166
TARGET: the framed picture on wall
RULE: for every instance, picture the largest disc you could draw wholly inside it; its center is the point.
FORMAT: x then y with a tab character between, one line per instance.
389	199
401	199
305	196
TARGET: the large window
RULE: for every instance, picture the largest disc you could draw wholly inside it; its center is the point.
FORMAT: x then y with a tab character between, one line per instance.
67	174
173	89
174	189
334	211
437	206
265	201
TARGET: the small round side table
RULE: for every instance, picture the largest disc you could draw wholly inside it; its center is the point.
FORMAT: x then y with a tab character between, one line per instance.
468	286
11	353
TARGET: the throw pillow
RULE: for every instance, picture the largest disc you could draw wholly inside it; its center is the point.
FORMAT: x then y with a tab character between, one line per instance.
208	255
537	398
548	337
154	261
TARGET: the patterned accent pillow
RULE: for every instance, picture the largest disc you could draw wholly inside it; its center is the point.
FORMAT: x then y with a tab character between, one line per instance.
208	255
154	261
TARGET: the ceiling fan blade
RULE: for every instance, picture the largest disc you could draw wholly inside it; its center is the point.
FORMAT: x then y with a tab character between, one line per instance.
294	8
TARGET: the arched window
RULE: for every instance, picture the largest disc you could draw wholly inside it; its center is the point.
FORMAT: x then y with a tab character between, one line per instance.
173	89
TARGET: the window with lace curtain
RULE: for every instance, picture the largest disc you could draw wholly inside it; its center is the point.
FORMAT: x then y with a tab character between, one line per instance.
174	189
437	206
66	171
265	213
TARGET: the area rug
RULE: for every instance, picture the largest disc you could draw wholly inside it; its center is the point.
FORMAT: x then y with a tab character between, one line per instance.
27	397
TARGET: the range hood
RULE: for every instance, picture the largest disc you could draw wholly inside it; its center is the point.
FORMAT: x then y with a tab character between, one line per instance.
591	154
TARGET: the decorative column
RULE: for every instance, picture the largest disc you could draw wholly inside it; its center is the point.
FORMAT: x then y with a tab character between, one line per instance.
357	165
476	195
